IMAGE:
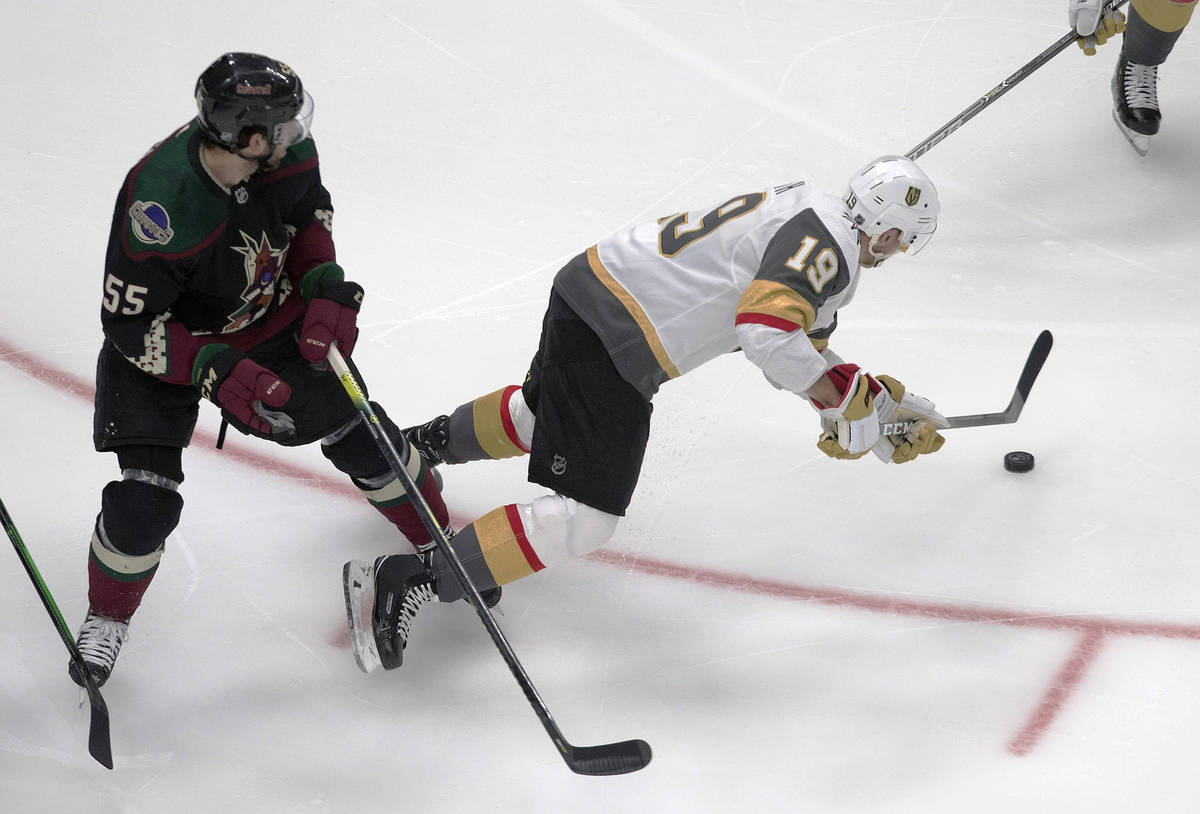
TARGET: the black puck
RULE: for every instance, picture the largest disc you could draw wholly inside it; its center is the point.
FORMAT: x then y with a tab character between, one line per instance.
1018	461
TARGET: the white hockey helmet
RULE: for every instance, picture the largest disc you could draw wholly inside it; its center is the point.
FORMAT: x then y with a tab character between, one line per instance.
892	192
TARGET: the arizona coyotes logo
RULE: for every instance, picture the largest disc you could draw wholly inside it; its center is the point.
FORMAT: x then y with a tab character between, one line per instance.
264	266
913	196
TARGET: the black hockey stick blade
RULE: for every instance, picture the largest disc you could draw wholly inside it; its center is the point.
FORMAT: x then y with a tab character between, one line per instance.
99	742
1029	374
610	758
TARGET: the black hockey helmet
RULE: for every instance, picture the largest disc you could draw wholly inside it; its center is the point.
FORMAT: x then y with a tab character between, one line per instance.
242	90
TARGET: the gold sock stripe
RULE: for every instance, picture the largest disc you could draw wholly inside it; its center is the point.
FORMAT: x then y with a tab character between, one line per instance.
1167	16
505	548
491	429
123	567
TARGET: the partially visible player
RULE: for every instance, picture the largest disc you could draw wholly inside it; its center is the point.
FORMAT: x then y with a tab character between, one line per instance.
1150	33
221	282
765	272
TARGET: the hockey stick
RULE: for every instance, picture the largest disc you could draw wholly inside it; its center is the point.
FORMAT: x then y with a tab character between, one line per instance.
609	758
1029	374
99	744
1004	87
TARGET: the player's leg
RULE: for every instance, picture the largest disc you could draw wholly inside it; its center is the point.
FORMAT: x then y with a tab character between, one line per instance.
497	425
146	422
353	450
591	437
1151	32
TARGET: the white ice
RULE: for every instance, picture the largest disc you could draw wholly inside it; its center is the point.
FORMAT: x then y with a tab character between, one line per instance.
789	633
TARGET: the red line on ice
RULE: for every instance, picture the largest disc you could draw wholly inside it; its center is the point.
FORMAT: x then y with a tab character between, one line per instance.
1094	628
1058	692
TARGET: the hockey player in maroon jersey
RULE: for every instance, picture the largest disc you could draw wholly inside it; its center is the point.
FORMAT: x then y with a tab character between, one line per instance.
221	283
766	272
1151	31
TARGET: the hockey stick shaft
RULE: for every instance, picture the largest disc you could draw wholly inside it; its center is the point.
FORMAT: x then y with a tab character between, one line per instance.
99	742
1029	373
613	758
1004	87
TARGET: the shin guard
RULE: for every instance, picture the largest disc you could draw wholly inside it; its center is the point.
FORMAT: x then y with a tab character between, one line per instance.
127	543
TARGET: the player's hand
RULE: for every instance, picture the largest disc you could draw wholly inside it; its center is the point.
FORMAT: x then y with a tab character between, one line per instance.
332	316
912	427
1094	24
851	427
243	387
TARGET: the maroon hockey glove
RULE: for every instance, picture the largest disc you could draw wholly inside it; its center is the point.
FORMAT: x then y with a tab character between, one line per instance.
243	387
332	316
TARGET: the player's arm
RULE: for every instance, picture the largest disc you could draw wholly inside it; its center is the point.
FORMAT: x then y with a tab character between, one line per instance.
801	268
333	301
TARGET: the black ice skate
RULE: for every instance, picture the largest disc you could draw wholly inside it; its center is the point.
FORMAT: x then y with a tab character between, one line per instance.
382	599
1135	102
430	439
99	641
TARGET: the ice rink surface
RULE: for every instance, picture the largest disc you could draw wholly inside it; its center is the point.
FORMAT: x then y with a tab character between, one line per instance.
789	633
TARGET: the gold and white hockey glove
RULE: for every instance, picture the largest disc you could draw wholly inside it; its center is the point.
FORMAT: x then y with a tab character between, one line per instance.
1094	24
912	427
851	427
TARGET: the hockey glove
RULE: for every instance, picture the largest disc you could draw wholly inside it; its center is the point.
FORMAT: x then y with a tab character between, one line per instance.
1094	24
912	427
243	387
332	316
851	427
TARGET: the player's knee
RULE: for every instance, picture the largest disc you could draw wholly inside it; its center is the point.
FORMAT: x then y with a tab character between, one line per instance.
139	512
353	449
561	523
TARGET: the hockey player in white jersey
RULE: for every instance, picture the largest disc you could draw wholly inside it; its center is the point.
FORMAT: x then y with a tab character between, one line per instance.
766	272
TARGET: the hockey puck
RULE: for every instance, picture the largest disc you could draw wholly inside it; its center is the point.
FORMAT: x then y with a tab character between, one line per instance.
1018	461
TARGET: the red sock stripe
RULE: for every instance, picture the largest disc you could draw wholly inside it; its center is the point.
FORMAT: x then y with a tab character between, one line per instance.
510	429
518	529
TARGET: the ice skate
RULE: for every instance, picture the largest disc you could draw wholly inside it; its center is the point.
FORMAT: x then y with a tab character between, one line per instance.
382	599
99	641
1135	102
430	439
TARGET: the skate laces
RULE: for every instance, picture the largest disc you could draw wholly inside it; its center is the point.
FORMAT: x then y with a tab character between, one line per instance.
100	639
417	597
1141	86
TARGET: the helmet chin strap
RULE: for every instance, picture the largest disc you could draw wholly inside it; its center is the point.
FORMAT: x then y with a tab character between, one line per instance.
876	257
263	162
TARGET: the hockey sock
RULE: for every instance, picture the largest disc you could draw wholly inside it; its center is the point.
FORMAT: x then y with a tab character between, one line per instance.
494	550
116	581
387	494
1154	27
498	425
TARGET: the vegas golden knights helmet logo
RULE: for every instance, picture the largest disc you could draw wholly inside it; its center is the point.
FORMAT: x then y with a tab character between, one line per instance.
913	196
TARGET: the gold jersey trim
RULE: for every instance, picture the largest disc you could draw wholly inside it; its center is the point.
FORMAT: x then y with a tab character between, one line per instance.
639	316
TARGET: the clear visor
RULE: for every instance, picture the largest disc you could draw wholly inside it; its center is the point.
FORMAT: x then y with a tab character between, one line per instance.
295	130
913	242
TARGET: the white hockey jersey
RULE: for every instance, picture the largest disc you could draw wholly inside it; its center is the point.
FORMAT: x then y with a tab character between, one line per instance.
766	271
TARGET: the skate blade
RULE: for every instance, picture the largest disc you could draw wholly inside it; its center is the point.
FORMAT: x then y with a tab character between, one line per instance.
358	583
1138	141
